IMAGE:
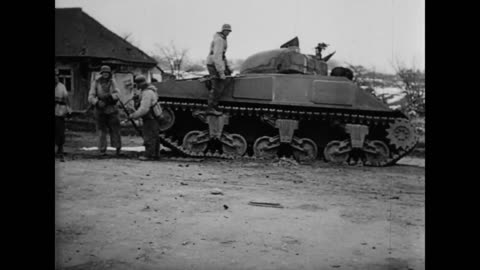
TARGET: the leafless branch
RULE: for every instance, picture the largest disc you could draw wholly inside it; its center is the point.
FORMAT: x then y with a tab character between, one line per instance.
174	57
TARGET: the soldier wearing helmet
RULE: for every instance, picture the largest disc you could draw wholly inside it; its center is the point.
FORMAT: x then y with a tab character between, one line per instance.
217	67
103	95
150	111
62	109
319	49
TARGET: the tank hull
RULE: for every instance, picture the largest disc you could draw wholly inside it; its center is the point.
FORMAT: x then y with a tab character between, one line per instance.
311	91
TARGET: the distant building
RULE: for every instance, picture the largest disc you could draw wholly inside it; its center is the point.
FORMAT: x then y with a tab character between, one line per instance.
83	45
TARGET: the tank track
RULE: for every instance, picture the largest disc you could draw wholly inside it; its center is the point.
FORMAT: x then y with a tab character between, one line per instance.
295	114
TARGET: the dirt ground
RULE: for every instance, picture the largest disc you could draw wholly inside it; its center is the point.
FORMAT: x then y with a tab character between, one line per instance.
121	213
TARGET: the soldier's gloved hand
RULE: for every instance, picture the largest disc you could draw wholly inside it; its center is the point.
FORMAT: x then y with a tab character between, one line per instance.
222	75
101	104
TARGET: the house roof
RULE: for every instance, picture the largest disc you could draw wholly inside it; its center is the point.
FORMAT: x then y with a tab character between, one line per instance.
79	35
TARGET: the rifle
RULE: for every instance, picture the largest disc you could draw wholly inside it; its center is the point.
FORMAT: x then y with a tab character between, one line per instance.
90	107
130	119
80	113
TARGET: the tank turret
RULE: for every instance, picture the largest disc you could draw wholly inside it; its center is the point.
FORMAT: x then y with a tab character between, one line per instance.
286	60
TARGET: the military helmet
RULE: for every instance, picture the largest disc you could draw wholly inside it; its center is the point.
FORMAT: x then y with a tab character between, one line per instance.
140	79
105	69
226	27
322	45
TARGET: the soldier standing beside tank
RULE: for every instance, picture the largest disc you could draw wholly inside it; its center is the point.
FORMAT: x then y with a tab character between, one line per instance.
149	109
104	96
62	109
217	67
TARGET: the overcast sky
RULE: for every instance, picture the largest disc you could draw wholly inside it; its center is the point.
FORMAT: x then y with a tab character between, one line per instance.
364	32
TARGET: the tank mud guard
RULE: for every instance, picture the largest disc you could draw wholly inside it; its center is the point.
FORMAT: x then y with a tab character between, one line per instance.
357	134
286	128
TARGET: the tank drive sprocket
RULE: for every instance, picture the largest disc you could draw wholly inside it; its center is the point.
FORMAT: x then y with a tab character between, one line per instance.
401	134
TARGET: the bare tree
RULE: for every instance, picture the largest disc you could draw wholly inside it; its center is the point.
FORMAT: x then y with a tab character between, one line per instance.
412	81
173	57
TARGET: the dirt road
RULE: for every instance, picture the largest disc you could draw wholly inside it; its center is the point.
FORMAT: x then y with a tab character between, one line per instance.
128	214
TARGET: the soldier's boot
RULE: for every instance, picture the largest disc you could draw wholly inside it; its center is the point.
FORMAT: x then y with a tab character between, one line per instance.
119	152
149	151
157	151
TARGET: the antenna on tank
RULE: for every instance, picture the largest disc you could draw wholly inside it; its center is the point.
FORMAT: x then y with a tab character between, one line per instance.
296	18
393	29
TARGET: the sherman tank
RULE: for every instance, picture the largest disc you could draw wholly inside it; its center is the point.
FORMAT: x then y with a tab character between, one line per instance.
284	103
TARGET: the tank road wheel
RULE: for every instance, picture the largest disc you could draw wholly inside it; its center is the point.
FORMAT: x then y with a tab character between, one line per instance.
266	147
305	150
195	141
401	134
337	151
234	145
376	153
168	119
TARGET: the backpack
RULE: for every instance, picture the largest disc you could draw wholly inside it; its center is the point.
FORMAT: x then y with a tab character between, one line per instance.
155	111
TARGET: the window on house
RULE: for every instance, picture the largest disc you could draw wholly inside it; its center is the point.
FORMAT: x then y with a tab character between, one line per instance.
65	76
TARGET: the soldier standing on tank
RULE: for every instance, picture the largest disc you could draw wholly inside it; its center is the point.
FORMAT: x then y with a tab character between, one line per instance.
150	111
217	67
104	96
62	109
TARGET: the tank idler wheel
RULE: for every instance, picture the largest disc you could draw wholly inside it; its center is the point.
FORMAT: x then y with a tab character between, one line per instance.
196	141
233	144
376	152
266	147
337	152
167	119
304	149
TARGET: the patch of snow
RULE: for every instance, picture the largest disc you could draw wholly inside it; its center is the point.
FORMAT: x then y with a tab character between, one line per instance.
124	148
191	75
388	90
395	98
374	80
